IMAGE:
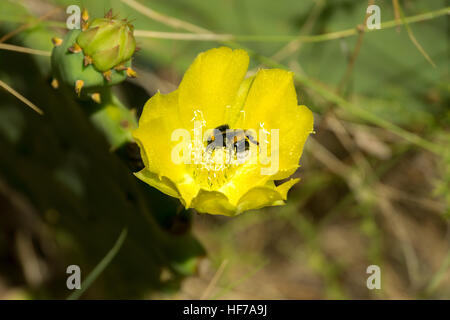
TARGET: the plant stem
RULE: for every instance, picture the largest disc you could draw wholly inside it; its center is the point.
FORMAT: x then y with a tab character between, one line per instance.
204	35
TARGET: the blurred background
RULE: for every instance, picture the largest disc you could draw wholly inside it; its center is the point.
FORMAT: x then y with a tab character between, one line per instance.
375	176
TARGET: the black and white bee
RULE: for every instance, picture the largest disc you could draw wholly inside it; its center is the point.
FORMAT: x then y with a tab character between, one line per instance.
234	140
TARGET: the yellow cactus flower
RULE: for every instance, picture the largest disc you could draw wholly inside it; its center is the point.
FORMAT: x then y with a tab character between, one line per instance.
220	141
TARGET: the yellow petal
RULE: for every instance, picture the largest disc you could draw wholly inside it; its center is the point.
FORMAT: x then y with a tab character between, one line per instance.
210	85
213	202
284	188
246	177
159	106
264	196
154	136
156	124
272	104
259	197
162	184
188	189
233	113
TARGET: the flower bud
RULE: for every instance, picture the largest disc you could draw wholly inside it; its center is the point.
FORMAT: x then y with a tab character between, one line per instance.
107	43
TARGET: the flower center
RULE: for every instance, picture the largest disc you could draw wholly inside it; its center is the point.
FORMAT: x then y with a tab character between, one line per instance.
217	153
213	170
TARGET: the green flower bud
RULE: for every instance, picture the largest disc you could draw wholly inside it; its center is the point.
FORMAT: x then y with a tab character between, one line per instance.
107	43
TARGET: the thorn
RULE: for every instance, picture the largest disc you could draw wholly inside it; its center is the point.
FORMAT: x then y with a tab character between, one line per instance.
120	67
57	41
109	15
96	97
75	48
131	73
85	15
87	61
125	124
107	75
78	85
137	49
360	28
55	83
84	25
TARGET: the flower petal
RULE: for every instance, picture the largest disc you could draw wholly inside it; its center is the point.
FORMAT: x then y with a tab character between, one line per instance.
259	197
233	113
161	183
284	188
157	123
213	202
245	178
272	104
263	196
159	106
210	85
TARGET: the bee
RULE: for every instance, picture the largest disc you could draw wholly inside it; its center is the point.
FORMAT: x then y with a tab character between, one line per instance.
236	140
